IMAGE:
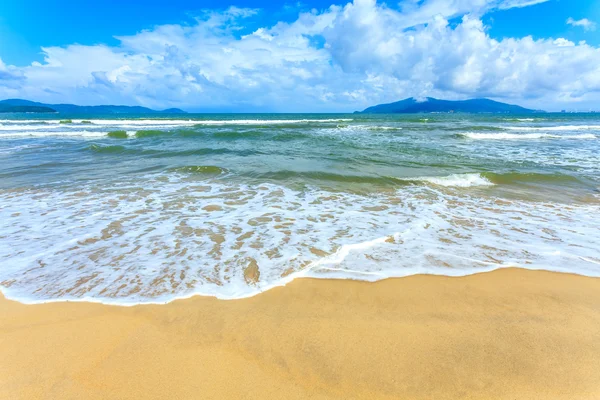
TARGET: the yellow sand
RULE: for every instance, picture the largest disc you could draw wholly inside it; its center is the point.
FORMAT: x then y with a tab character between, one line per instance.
510	334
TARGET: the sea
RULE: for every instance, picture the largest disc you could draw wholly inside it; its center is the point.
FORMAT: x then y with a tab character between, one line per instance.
140	209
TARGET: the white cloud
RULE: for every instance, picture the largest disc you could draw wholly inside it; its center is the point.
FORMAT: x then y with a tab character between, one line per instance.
506	4
585	23
341	59
562	42
460	60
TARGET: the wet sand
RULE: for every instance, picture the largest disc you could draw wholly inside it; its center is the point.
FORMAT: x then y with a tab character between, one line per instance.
509	334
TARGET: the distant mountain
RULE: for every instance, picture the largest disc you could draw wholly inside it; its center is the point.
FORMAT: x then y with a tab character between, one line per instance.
429	105
5	108
18	105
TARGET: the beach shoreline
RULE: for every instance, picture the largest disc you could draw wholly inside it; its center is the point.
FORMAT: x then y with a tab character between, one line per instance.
506	334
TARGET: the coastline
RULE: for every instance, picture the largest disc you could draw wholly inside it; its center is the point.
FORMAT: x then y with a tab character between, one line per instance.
506	334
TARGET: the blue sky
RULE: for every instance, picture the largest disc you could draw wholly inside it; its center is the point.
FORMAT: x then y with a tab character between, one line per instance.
26	27
304	56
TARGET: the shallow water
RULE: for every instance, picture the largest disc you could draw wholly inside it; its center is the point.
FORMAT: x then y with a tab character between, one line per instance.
231	205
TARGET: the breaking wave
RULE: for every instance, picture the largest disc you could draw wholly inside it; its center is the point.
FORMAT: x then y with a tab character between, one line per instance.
523	136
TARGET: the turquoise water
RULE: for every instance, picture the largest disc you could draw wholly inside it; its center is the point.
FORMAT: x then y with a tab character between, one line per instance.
166	208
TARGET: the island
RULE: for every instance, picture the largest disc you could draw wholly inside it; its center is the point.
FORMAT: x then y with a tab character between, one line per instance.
431	105
25	109
19	105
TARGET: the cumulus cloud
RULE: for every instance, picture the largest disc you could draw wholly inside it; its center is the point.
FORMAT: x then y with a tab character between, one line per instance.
340	59
461	59
585	23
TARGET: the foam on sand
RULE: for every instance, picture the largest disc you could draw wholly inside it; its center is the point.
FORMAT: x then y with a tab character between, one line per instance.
165	238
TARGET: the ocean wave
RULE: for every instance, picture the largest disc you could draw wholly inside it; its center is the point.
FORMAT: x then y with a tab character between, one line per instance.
16	149
29	121
121	134
200	169
522	136
150	133
194	121
154	153
493	178
555	128
363	127
474	128
289	175
234	134
96	148
520	177
74	133
455	180
466	180
20	128
380	128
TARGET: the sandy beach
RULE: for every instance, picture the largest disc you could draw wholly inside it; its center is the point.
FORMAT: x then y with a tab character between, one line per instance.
508	334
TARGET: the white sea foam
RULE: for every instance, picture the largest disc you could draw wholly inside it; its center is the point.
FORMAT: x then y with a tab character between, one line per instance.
16	149
24	128
269	121
41	127
361	128
96	128
522	119
29	121
160	239
54	133
385	128
456	180
555	128
524	136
